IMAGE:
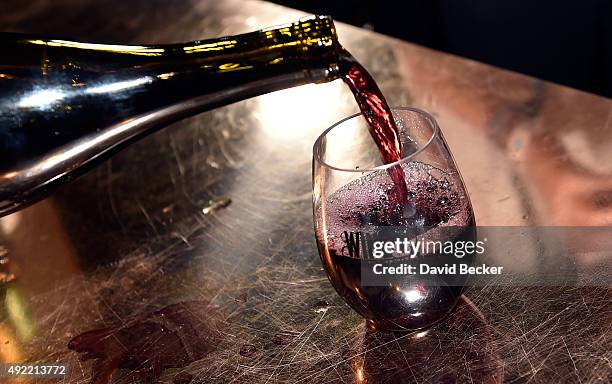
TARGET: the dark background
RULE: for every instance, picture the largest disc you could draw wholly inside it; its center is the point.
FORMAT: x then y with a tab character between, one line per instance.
567	42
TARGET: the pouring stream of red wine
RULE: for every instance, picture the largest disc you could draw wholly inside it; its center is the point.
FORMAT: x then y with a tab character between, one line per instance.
380	120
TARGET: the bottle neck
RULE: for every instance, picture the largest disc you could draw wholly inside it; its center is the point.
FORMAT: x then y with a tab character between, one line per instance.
65	104
310	45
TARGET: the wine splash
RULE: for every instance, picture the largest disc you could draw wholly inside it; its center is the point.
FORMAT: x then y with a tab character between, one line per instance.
382	127
373	106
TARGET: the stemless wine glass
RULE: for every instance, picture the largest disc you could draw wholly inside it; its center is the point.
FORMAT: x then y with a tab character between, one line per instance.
352	190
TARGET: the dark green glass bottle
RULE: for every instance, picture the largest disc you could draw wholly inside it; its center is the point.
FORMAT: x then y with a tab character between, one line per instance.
64	105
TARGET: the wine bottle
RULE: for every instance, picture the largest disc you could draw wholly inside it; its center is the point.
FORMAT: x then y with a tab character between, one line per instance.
66	105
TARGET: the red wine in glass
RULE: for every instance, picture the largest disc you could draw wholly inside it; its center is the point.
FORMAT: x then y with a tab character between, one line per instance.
417	301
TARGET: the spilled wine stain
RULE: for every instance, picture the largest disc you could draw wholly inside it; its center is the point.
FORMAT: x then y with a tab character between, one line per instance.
320	306
248	350
172	337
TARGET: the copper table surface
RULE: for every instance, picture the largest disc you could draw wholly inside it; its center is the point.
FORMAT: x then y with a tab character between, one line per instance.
130	237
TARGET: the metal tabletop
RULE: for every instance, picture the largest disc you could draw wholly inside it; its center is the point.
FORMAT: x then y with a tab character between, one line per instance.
133	236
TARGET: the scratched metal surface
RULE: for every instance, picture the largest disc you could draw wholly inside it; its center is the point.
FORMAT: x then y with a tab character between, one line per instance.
130	237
